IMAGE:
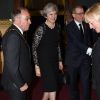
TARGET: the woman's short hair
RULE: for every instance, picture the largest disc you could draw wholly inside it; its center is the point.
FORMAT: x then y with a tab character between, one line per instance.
94	12
48	8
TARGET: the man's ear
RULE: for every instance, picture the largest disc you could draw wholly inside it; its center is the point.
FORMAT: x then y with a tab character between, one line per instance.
73	15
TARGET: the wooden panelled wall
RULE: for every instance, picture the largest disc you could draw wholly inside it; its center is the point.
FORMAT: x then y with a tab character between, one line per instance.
36	5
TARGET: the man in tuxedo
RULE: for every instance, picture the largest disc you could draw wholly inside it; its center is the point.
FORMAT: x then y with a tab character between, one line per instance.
78	52
17	72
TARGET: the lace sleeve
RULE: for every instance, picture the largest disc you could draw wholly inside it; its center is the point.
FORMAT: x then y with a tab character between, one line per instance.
59	48
59	53
36	40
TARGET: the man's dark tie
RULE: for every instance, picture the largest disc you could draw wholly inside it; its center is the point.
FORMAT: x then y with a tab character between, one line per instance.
81	29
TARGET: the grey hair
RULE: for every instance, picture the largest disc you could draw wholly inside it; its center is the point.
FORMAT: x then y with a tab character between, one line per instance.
17	12
48	8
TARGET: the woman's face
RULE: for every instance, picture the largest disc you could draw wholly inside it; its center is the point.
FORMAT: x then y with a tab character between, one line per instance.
94	24
51	17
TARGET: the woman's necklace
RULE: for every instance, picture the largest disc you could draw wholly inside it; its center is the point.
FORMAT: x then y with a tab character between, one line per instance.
50	25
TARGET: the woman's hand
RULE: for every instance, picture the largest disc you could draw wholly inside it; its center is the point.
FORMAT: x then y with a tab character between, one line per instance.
37	71
60	65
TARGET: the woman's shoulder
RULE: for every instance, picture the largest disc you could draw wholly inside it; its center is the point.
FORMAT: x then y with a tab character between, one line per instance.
40	29
41	26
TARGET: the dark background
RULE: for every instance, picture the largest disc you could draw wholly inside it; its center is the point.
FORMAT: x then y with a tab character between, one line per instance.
6	7
87	3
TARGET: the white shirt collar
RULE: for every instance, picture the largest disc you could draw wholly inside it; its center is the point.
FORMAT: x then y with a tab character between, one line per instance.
19	29
77	23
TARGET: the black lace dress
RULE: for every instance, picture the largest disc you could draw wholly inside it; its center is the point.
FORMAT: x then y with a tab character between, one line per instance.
46	55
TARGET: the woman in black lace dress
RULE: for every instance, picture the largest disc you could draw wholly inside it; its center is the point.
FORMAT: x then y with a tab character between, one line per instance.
46	51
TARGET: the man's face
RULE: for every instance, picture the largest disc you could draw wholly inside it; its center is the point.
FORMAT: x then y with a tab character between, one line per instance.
25	20
78	15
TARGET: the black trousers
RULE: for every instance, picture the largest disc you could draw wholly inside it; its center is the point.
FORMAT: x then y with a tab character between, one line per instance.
14	93
82	72
96	73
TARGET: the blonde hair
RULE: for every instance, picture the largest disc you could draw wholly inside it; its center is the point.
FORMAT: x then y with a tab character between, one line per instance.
48	8
94	12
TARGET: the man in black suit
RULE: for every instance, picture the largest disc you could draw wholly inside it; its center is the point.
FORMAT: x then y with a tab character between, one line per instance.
78	51
17	72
